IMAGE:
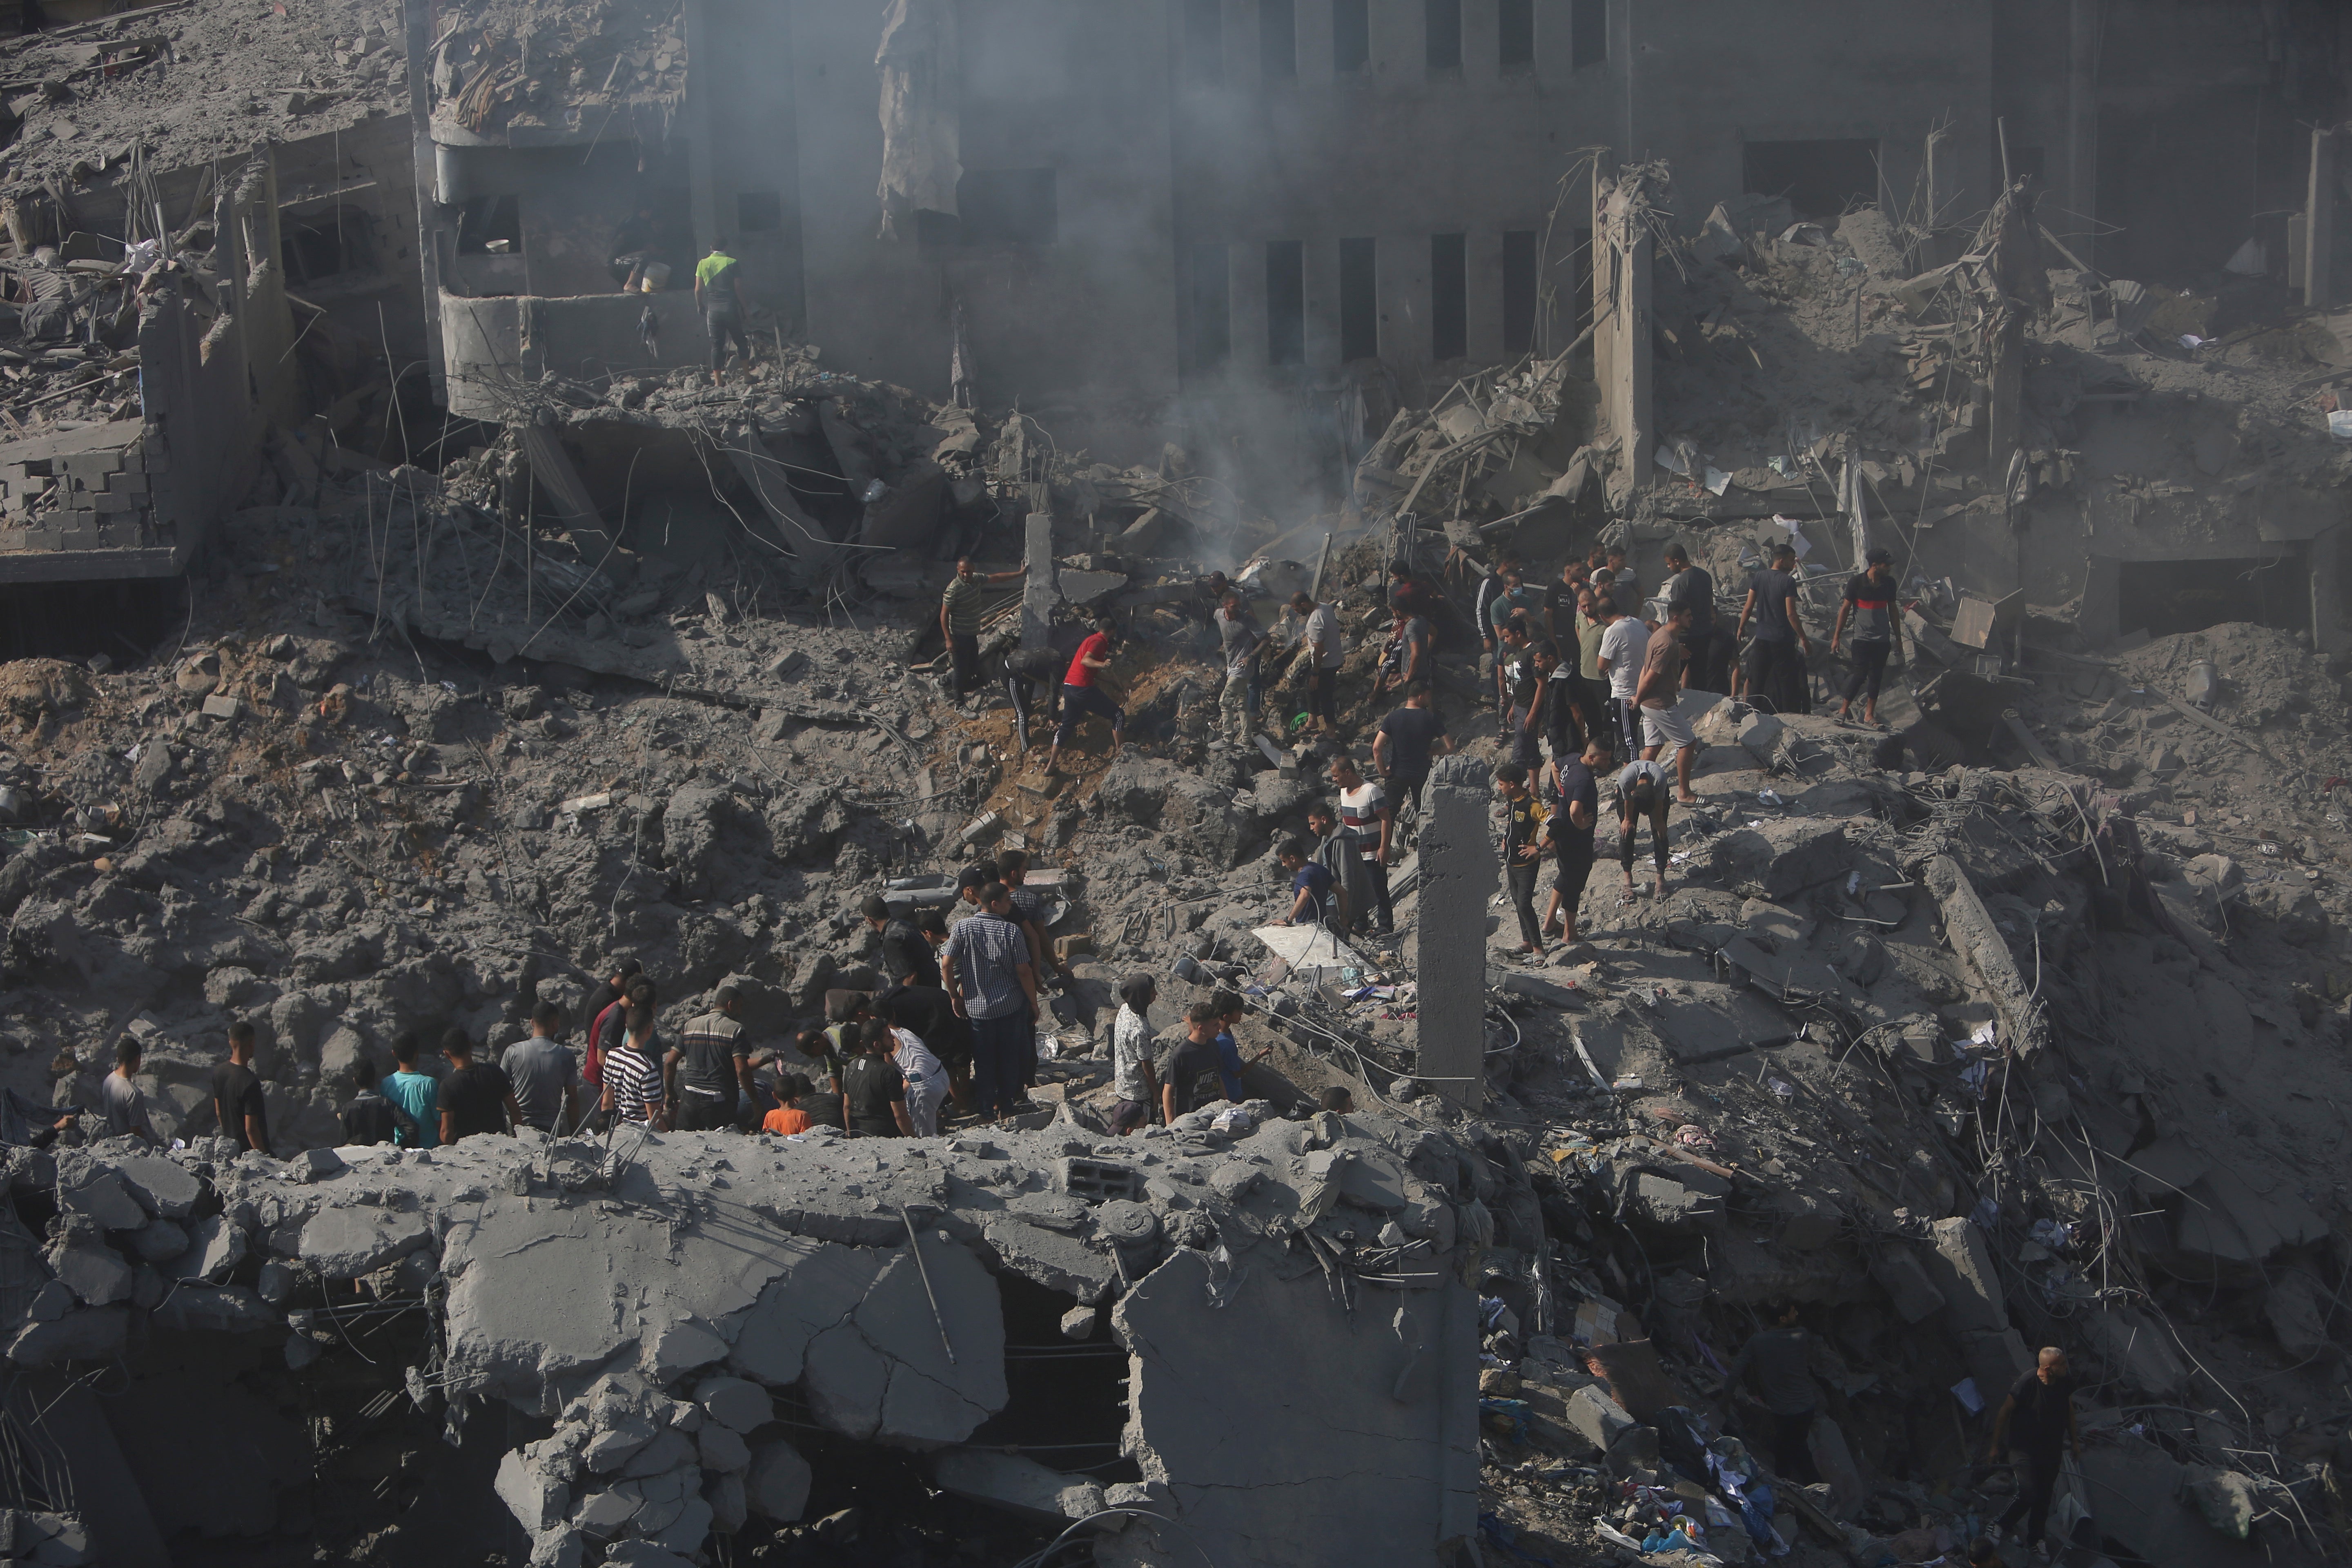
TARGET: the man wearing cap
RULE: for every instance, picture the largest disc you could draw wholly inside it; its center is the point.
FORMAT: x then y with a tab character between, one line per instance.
1870	604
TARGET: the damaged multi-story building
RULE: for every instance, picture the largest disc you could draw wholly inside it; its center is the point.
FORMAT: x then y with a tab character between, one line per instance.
407	629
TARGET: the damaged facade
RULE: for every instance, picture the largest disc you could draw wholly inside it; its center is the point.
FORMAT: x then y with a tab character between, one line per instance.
493	640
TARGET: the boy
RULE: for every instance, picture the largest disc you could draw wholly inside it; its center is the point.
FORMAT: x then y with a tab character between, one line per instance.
1311	888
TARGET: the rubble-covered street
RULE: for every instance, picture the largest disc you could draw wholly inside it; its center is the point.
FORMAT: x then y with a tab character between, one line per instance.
723	838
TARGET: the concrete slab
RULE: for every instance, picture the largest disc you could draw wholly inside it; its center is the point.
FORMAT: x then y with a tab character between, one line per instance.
1017	1485
1706	1022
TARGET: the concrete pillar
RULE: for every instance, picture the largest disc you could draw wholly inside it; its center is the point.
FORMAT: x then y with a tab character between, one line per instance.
701	203
2083	131
422	164
2330	632
1459	873
2319	218
1622	252
1040	592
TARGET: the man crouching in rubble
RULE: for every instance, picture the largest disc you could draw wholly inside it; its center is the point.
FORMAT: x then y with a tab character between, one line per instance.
2039	1417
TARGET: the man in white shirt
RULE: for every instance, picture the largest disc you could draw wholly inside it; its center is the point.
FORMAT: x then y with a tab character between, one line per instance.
1623	647
1366	817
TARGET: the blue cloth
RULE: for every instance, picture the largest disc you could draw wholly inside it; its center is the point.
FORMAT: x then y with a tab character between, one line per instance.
1315	881
1229	1060
419	1094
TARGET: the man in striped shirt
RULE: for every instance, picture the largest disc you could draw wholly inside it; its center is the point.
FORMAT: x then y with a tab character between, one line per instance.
961	610
632	1075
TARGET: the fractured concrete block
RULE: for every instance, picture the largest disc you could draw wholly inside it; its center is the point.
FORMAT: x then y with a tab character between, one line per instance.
776	1486
535	1490
735	1402
1961	1268
1018	1485
1898	1272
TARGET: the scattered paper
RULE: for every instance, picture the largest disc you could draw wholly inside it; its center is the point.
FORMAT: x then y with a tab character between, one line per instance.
1718	481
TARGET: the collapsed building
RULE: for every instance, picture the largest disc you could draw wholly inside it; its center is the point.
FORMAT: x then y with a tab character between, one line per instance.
487	636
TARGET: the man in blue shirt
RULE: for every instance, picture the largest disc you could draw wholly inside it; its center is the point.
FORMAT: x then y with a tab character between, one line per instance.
417	1093
1312	885
1231	1011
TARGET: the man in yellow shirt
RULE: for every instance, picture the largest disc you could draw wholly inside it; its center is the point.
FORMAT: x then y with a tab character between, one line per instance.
722	307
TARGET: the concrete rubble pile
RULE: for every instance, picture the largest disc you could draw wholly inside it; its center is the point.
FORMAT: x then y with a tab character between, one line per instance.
2017	1020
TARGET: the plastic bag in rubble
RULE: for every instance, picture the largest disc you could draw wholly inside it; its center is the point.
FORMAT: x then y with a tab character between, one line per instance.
1049	1047
1237	1121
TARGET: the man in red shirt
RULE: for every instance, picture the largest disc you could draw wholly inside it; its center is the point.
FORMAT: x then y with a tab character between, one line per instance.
1081	695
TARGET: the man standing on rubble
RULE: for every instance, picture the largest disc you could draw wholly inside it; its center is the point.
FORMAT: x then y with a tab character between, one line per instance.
722	307
544	1073
126	1106
985	967
1572	825
1692	588
1659	695
1624	644
1781	1357
961	612
416	1093
1591	684
1241	639
903	951
1523	834
1490	588
1562	602
1517	601
475	1098
709	1065
1324	650
1082	694
1408	743
1773	667
1870	602
1370	821
237	1102
2038	1417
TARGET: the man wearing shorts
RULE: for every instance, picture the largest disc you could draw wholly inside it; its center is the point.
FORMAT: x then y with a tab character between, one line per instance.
1081	695
1663	662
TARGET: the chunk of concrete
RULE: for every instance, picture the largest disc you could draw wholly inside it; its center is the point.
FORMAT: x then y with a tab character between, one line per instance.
722	1449
1995	1359
1898	1272
1668	1206
96	1274
532	1485
215	1247
159	1241
1781	857
1017	1485
776	1486
1597	1418
1807	1224
345	1243
103	1195
1961	1268
1758	735
93	1334
162	1187
735	1402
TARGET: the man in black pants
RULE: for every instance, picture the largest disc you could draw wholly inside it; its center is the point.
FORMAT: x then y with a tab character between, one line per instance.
708	1067
1870	604
2038	1416
962	611
1643	789
1779	1356
1407	742
1033	679
1523	835
1368	819
1577	813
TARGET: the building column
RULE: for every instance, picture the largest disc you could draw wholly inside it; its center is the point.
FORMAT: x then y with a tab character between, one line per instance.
2319	218
2083	130
1458	873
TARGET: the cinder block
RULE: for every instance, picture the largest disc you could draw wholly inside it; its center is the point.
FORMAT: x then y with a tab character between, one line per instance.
135	460
110	502
220	706
1079	944
125	483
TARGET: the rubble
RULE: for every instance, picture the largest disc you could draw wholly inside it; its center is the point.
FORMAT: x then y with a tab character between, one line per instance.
2018	1021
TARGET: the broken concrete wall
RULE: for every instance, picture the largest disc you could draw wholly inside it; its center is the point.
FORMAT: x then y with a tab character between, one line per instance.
1395	1415
1065	273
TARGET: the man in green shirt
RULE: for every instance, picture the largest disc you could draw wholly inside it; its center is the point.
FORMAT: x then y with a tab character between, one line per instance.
721	305
962	608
